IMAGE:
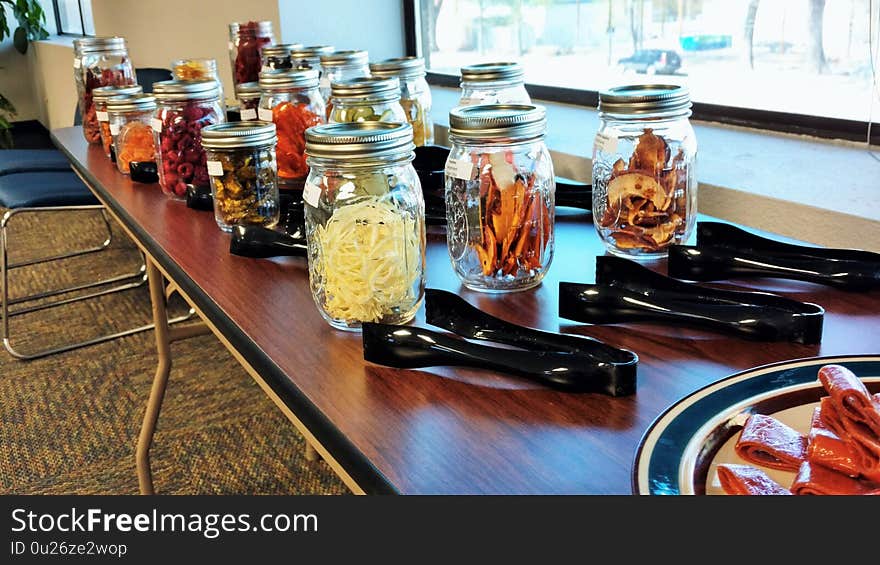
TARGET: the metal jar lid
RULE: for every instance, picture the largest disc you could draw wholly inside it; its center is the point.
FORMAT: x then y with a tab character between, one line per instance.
643	99
283	79
492	72
359	141
85	45
262	27
238	135
404	67
279	49
366	88
515	122
102	93
312	52
248	90
131	103
347	58
182	90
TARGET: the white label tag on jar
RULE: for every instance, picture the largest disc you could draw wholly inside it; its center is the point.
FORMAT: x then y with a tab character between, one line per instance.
102	116
265	114
248	114
459	169
114	129
311	194
156	124
77	63
215	168
265	68
606	141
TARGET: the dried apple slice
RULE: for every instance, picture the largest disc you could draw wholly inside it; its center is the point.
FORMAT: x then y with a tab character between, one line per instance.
636	185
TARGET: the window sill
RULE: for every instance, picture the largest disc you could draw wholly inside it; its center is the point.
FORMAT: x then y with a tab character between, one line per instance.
820	191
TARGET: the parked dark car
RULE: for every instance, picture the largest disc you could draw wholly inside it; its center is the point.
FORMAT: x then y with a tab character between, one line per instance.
652	61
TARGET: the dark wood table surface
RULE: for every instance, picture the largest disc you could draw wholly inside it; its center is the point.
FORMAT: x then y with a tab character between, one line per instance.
444	430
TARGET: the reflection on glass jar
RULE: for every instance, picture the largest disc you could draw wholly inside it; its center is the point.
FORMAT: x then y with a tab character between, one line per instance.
98	61
365	223
500	190
493	83
366	99
100	96
130	125
241	162
246	39
415	94
290	98
644	170
184	108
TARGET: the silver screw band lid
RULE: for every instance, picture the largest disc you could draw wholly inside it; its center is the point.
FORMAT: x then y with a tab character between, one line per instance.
281	79
182	90
368	88
492	72
515	122
403	67
102	93
248	90
85	45
359	140
641	99
239	135
131	103
346	58
279	49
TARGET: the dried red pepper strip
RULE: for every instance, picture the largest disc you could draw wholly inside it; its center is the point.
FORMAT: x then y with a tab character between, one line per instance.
291	122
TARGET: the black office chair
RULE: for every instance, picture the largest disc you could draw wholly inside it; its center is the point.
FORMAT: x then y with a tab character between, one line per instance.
36	182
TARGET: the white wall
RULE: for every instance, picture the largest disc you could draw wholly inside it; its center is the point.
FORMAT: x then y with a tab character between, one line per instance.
159	31
373	25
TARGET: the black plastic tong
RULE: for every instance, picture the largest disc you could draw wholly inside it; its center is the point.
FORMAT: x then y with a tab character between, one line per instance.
626	291
724	251
564	362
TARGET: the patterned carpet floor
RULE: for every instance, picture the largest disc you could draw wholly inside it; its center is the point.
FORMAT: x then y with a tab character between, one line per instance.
69	422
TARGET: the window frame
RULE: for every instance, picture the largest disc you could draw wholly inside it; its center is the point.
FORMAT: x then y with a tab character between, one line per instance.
783	122
82	21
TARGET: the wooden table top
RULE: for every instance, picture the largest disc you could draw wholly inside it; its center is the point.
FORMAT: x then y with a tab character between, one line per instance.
444	430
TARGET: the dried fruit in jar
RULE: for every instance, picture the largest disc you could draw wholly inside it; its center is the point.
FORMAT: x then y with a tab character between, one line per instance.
516	218
646	197
368	260
291	122
419	120
242	195
93	80
135	143
247	55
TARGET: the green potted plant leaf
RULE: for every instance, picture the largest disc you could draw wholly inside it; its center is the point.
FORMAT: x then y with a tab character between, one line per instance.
30	17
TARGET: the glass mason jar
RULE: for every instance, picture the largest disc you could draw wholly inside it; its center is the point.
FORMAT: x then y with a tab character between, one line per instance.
184	108
365	223
493	83
415	94
277	56
246	39
366	99
291	100
99	97
342	65
241	162
309	57
248	95
644	170
98	61
500	191
198	69
131	127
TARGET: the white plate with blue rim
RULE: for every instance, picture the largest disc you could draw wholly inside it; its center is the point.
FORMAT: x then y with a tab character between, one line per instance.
680	451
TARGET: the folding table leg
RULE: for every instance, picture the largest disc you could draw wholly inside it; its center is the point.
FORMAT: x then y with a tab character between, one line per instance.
165	334
160	381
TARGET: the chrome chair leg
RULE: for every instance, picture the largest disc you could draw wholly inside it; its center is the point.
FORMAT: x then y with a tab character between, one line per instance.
5	302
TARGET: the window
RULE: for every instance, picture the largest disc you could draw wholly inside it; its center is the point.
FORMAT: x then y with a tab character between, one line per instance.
796	65
74	17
